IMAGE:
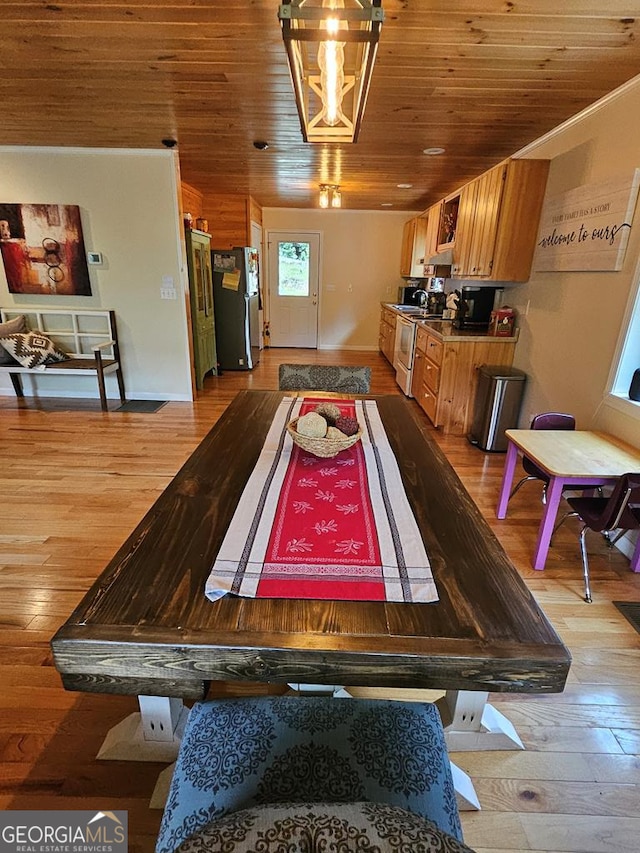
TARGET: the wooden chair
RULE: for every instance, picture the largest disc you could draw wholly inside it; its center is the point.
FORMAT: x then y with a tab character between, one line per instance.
347	379
312	767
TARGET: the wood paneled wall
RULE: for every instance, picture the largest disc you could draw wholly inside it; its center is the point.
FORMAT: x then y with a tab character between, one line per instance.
230	218
191	200
254	212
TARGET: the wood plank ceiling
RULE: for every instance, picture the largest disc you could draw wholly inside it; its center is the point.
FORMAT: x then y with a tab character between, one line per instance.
480	78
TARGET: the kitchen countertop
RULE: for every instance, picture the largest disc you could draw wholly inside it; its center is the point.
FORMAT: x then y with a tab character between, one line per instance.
443	329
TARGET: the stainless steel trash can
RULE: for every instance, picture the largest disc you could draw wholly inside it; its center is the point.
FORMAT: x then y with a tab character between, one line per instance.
497	406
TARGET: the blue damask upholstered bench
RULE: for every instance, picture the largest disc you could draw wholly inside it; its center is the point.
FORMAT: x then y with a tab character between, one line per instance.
348	379
292	768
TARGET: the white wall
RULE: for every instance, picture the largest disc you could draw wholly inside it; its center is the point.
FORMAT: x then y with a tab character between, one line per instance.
360	258
129	209
569	337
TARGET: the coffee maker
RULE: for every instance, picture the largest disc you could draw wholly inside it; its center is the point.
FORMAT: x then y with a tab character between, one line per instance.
435	302
475	305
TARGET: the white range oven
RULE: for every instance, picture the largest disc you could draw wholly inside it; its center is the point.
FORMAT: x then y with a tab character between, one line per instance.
403	353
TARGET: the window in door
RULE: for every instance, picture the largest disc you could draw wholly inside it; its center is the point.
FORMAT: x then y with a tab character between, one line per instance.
293	269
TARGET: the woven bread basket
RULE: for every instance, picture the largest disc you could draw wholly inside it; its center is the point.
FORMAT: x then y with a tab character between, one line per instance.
323	447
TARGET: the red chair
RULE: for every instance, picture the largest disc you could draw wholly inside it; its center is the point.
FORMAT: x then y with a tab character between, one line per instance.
610	516
547	420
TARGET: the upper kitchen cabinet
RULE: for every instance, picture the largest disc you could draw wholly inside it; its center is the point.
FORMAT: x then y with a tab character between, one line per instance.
406	254
419	242
448	221
498	220
413	247
433	231
489	225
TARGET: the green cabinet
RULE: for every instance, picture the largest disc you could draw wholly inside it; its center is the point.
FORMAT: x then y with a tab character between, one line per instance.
201	296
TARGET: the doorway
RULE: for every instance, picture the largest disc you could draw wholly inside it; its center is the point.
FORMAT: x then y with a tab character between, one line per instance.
294	261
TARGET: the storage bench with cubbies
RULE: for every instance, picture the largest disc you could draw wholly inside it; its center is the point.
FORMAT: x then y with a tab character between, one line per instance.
88	337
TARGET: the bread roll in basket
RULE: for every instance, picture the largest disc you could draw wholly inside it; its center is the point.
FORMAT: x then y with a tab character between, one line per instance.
323	447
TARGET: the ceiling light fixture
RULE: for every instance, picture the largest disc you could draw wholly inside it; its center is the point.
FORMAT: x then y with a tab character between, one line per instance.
330	195
331	50
433	152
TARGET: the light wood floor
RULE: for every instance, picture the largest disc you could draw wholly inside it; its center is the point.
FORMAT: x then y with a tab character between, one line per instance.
73	484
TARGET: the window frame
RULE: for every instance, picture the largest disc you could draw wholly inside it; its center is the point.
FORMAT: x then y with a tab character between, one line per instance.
627	355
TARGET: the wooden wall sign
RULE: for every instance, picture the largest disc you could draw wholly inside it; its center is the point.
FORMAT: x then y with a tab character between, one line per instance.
587	228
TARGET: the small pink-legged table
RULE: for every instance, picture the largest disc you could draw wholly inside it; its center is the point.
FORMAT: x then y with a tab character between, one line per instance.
570	458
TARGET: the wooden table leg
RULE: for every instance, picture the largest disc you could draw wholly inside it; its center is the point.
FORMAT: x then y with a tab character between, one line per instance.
507	479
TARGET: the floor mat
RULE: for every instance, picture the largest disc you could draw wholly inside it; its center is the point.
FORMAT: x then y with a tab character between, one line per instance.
144	406
631	612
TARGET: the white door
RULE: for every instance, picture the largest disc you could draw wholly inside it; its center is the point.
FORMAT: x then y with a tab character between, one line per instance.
293	288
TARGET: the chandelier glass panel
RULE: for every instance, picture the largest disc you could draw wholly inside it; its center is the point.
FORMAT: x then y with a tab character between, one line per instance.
331	48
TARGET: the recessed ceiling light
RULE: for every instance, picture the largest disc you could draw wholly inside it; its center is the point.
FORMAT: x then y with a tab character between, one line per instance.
432	152
404	186
386	204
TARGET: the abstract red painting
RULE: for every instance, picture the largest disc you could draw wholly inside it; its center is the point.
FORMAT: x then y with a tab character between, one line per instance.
43	249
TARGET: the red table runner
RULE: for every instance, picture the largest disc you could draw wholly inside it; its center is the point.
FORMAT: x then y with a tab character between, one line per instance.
338	528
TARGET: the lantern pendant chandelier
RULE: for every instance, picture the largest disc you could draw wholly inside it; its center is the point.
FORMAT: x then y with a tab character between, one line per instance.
331	50
330	195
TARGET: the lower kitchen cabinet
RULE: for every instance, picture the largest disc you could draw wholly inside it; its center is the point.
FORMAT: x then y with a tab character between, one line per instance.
445	375
387	334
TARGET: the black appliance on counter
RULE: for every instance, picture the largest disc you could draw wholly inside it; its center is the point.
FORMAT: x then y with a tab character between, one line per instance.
475	305
409	295
436	302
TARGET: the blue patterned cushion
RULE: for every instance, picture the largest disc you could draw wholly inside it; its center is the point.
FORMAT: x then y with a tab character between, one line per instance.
344	379
239	752
322	827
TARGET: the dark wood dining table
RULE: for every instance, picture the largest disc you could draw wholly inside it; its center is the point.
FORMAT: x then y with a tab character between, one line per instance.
145	627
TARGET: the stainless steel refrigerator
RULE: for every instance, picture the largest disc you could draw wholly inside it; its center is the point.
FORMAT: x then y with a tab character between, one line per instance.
236	300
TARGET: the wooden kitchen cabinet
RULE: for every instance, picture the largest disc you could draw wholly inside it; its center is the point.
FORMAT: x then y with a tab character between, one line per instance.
433	229
414	246
484	232
387	334
445	381
464	230
498	222
489	224
418	259
408	238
